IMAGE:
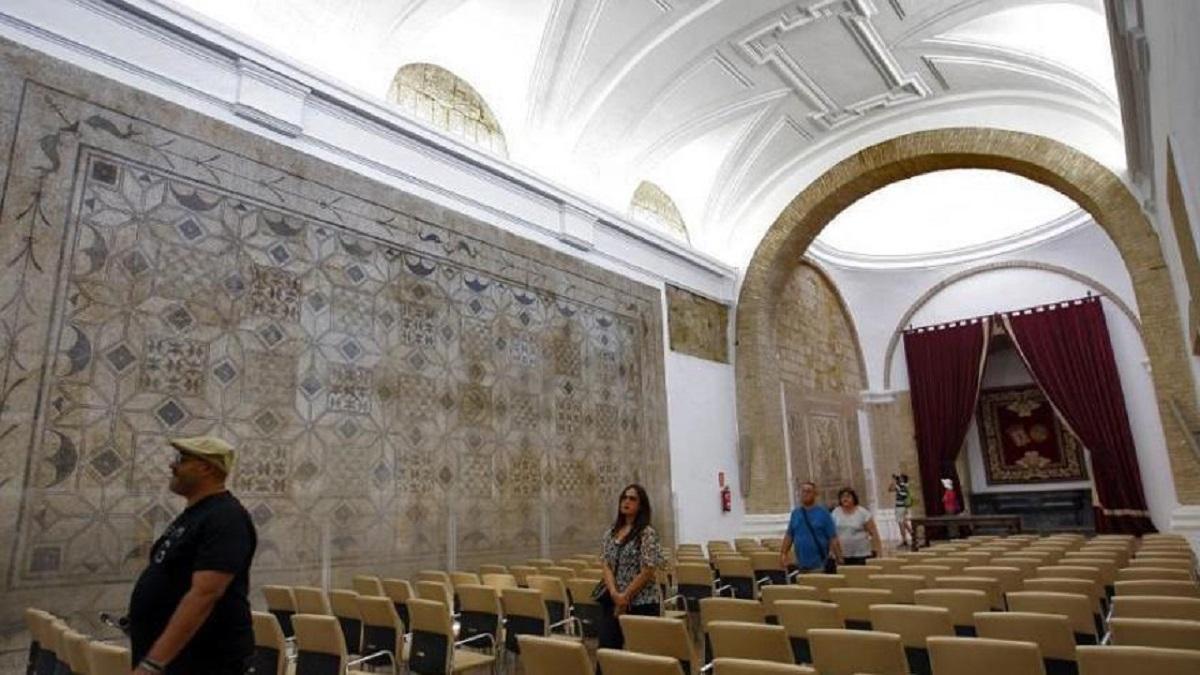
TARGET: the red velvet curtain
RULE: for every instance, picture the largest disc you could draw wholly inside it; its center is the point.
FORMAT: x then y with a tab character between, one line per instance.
945	366
1068	352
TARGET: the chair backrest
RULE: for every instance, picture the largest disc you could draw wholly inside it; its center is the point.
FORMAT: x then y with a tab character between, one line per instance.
108	659
618	662
1051	632
1077	608
912	623
988	585
1069	572
499	581
1106	566
320	644
491	568
854	604
902	586
800	616
738	640
365	584
962	603
434	575
398	590
660	636
559	571
1154	573
1166	633
1091	589
75	646
382	626
1184	564
270	646
763	561
580	590
856	575
694	574
479	598
1155	607
435	590
964	656
521	572
523	602
1184	589
463	578
1010	578
890	565
822	582
929	571
548	656
279	598
311	600
343	603
1115	660
553	589
847	652
735	566
751	667
730	609
773	594
540	562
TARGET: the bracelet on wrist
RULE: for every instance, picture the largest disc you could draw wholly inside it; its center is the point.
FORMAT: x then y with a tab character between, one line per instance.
152	666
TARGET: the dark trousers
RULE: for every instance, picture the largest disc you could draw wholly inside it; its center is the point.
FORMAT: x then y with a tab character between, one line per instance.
229	666
850	560
610	627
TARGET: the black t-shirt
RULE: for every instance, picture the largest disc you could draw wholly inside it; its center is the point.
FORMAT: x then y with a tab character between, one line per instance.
214	534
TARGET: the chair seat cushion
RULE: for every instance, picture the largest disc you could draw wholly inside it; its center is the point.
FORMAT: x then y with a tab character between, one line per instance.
465	659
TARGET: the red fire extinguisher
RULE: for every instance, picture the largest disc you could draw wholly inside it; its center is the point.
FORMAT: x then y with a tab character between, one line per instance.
726	494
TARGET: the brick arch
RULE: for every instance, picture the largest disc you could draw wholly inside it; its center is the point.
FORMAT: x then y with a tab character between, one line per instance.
1096	189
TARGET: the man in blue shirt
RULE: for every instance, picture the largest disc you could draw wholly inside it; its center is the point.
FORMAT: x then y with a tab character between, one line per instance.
812	531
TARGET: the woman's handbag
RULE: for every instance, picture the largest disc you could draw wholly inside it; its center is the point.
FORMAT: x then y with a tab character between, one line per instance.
601	595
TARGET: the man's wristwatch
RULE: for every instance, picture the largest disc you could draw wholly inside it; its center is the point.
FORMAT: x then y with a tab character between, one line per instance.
152	666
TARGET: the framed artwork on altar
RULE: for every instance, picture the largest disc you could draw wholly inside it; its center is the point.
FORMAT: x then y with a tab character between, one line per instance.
1023	440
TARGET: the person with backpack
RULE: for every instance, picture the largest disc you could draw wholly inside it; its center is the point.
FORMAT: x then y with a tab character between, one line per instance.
813	534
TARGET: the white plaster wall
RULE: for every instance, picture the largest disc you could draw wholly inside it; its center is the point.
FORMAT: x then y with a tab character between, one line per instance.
703	430
879	298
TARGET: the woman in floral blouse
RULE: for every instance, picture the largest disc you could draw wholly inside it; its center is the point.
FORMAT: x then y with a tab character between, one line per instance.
631	553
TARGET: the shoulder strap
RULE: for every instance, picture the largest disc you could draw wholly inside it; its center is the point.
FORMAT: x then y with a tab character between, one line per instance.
813	534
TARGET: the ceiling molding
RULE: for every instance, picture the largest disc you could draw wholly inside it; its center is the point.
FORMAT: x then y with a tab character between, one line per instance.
762	46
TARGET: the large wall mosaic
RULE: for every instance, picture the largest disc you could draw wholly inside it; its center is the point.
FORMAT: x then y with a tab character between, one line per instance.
403	384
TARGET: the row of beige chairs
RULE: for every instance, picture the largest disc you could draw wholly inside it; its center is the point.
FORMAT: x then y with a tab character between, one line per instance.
56	648
848	652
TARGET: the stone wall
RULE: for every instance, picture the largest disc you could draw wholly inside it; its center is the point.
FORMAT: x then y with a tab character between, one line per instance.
697	326
822	375
894	445
407	388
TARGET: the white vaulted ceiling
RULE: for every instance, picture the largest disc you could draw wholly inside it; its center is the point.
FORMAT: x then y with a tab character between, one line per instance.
730	106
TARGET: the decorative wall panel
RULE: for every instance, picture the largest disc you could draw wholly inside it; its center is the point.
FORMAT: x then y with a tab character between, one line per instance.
1023	440
698	326
405	386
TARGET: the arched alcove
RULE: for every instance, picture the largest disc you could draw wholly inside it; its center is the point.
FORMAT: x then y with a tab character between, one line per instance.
448	103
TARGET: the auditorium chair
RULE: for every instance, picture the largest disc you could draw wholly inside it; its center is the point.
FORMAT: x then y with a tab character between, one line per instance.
382	629
365	584
618	662
52	644
539	563
914	625
854	604
311	600
890	565
967	656
584	606
798	617
344	605
1161	563
554	594
737	573
1166	633
436	591
270	646
434	575
1185	589
1155	607
848	652
480	612
547	656
399	591
661	637
108	659
929	571
433	649
75	645
1010	578
38	652
750	667
489	568
988	585
694	582
525	614
902	586
738	640
727	609
856	575
1109	660
1077	608
321	647
521	573
822	582
1153	574
766	566
1106	567
772	594
1050	632
499	581
282	604
962	604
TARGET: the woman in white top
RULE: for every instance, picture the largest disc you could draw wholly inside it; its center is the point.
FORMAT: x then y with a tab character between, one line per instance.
856	529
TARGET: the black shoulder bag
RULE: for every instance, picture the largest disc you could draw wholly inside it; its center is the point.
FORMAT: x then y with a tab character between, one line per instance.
830	563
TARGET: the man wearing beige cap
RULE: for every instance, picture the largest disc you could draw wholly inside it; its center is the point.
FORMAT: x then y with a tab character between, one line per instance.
189	613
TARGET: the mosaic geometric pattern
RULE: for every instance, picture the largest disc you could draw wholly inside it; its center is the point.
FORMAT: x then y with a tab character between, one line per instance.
697	325
403	384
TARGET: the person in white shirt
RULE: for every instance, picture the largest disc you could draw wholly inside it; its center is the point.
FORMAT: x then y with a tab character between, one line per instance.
855	529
